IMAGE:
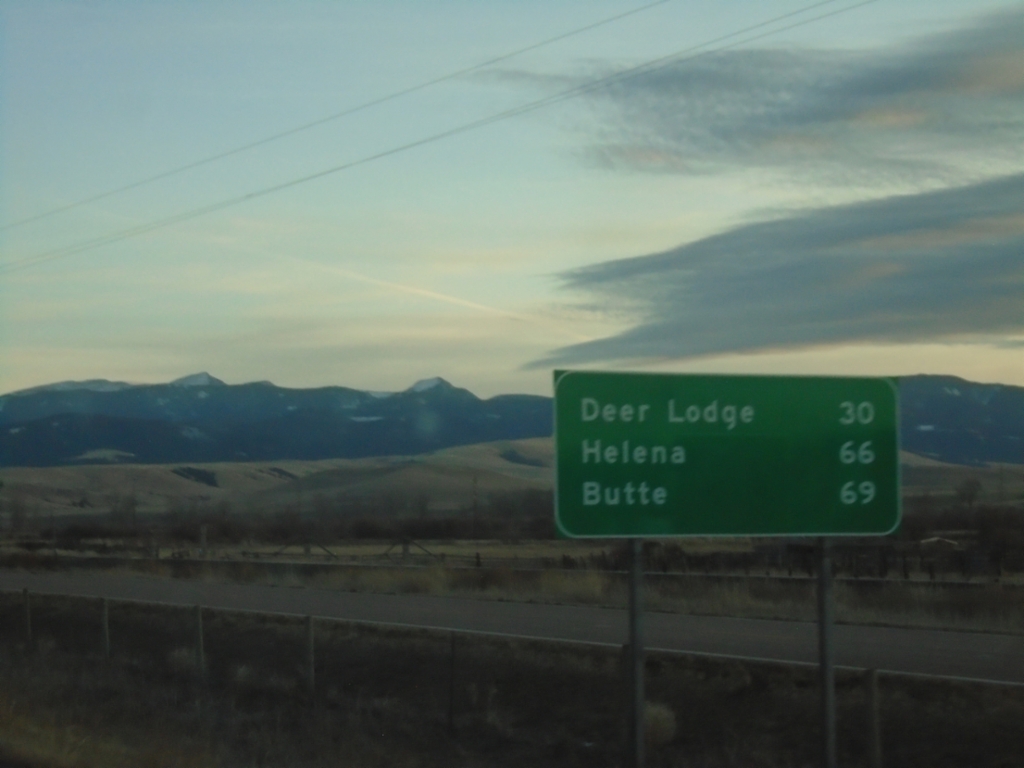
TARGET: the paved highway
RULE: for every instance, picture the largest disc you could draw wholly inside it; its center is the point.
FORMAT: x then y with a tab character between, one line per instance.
975	655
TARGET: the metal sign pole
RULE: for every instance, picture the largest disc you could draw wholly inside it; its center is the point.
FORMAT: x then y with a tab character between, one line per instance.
826	652
636	655
675	455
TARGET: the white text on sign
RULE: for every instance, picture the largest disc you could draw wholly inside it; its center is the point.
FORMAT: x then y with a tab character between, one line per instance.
728	415
629	495
626	454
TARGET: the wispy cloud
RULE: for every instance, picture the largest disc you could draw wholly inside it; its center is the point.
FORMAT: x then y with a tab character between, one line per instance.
924	267
946	107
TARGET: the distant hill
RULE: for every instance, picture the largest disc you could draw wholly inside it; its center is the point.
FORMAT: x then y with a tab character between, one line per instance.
961	422
447	480
200	419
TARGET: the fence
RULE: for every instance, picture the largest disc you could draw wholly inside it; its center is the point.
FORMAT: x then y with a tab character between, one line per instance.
444	671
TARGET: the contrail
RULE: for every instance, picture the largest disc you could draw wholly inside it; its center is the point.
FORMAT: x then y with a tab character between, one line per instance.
443	297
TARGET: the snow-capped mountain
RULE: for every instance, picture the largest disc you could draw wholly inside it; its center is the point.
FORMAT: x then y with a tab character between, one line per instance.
424	384
198	380
200	418
92	385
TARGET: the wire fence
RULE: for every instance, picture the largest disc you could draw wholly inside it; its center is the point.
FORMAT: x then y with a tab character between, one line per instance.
468	682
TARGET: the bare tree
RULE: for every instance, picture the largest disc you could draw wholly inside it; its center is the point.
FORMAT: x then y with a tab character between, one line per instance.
967	492
123	509
17	510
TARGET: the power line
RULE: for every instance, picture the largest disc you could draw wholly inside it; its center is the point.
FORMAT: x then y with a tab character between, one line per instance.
335	116
602	82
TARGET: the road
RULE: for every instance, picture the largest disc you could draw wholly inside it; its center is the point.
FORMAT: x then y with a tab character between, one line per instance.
975	655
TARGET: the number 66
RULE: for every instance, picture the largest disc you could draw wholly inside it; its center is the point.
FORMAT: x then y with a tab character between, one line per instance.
864	454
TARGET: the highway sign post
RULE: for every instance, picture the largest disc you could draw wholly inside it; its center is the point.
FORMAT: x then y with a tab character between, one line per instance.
671	455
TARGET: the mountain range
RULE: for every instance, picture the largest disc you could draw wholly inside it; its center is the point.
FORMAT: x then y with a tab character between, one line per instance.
199	418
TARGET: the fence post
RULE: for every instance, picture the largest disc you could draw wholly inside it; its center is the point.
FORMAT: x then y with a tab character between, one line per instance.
826	655
637	697
200	650
874	722
106	627
28	619
310	656
451	687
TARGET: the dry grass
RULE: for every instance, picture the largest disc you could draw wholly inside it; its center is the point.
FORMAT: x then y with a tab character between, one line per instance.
526	551
982	607
988	607
659	725
382	700
448	476
36	733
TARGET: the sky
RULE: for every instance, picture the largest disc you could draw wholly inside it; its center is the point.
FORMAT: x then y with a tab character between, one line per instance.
724	187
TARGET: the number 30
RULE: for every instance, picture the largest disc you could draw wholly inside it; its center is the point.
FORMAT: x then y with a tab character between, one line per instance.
863	413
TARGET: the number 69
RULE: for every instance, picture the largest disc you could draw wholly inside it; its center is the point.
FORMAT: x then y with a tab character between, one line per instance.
851	492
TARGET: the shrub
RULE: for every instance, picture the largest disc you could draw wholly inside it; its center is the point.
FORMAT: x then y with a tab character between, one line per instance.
659	725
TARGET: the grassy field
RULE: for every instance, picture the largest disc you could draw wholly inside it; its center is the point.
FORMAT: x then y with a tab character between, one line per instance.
406	698
526	553
985	606
285	523
447	480
440	483
998	483
383	697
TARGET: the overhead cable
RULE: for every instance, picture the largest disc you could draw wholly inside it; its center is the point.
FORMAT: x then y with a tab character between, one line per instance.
593	85
332	117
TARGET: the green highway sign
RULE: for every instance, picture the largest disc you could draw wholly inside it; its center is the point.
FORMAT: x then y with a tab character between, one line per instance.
691	455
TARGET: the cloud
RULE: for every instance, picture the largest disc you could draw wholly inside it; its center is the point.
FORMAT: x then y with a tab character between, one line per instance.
946	107
924	267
